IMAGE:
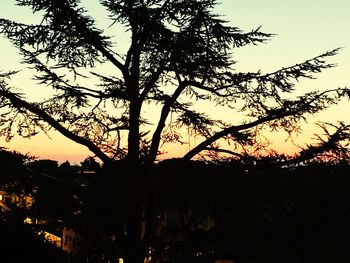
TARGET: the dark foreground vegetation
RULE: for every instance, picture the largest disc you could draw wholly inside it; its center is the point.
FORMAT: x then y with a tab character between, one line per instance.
205	211
265	214
19	244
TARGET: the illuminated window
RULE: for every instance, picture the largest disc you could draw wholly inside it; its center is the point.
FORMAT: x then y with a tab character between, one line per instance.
28	220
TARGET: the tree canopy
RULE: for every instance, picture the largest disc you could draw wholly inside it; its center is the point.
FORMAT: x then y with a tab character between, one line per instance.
179	53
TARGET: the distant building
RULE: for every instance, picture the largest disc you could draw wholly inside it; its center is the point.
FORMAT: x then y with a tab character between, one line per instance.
69	242
4	198
7	200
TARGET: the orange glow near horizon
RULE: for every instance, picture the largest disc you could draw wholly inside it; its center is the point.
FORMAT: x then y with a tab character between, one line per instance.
61	149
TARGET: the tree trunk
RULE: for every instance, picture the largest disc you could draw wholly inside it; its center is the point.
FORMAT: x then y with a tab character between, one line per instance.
134	133
141	216
135	251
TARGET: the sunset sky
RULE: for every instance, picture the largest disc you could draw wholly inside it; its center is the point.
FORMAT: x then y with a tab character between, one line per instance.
304	29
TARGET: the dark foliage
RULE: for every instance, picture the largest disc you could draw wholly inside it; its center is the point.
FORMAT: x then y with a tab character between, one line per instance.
18	243
265	215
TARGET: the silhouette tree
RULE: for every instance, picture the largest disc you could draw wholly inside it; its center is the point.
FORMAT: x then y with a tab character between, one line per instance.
178	55
90	163
65	165
14	176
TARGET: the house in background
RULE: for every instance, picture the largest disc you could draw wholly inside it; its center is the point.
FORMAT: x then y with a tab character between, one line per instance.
8	200
4	198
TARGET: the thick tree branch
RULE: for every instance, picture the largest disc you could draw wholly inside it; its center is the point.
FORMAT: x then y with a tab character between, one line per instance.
161	123
298	107
88	35
19	103
332	144
151	83
232	129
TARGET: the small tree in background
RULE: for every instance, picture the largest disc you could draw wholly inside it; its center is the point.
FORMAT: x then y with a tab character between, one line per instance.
15	178
178	54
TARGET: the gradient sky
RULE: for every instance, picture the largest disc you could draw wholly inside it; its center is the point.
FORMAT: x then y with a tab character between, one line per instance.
304	29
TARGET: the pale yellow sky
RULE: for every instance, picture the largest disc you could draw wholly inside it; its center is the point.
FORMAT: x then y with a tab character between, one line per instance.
304	29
